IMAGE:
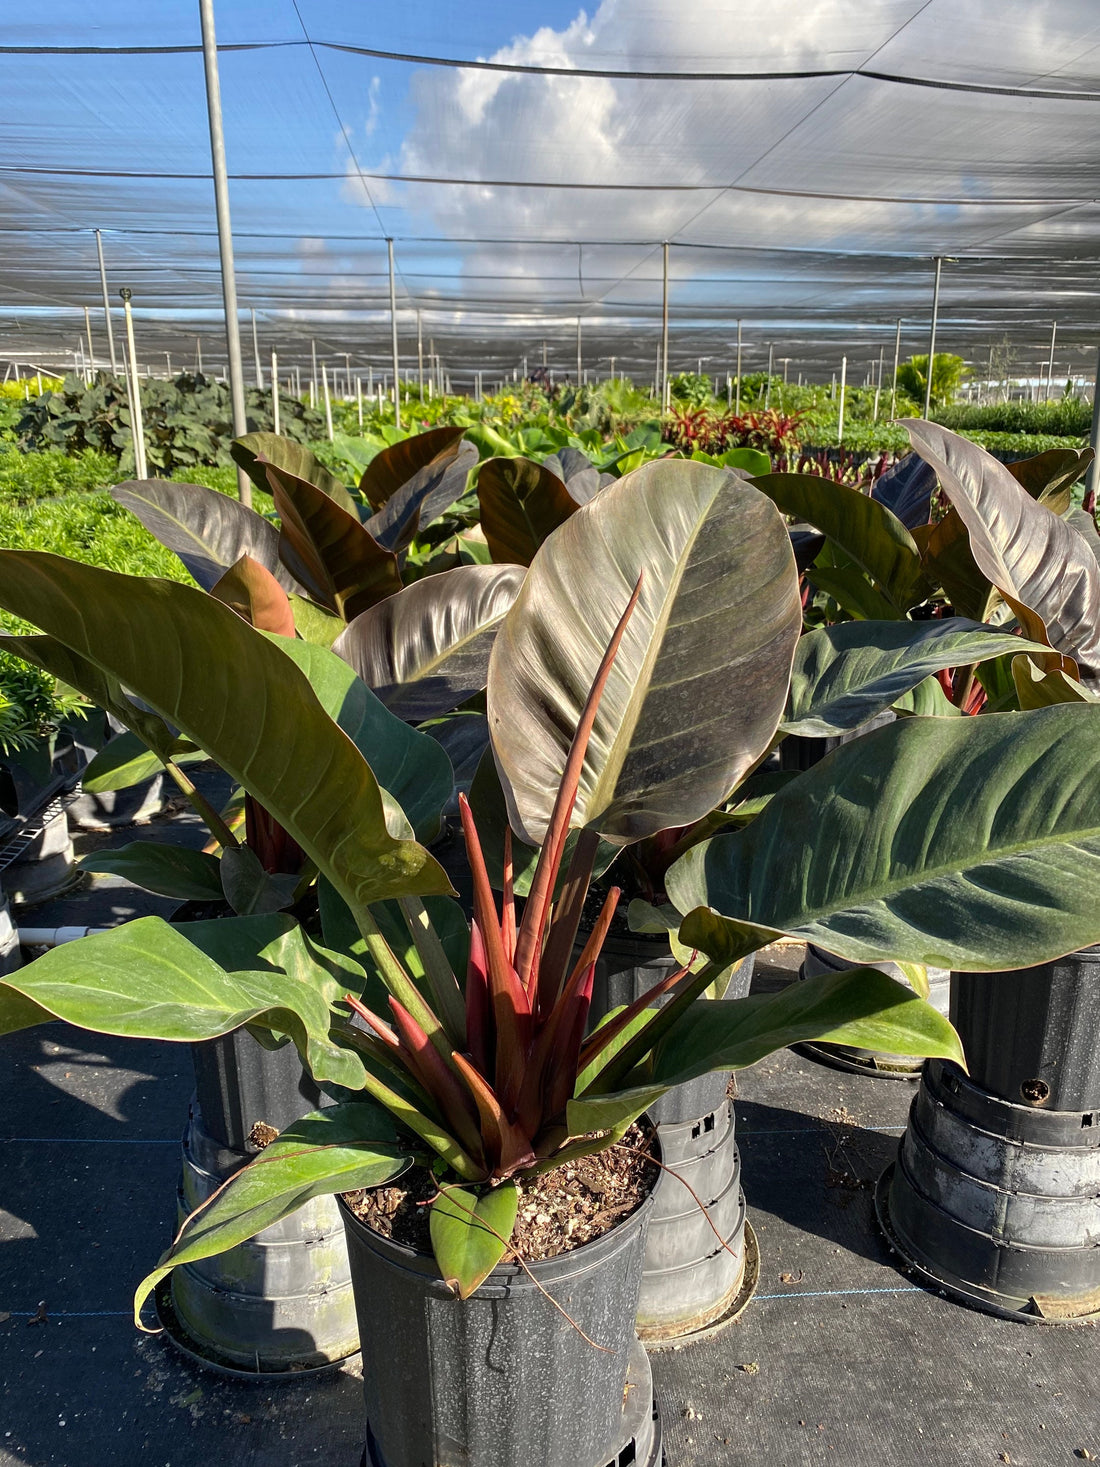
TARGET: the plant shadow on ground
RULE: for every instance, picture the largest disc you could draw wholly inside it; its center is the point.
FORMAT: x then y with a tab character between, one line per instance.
815	1176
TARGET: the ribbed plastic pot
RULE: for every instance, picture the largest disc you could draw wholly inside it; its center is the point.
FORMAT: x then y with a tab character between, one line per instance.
46	865
114	809
1031	1036
11	957
996	1203
280	1303
695	1270
817	963
238	1083
501	1378
630	965
693	1278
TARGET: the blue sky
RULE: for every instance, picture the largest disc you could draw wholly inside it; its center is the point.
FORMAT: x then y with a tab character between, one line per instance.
791	202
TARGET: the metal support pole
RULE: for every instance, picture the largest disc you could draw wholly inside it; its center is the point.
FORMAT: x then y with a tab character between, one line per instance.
225	235
328	402
419	356
313	394
840	417
106	302
580	358
1050	364
256	352
932	339
168	365
359	400
665	396
198	356
91	349
878	384
768	389
393	338
1092	477
897	362
347	375
275	389
737	404
137	430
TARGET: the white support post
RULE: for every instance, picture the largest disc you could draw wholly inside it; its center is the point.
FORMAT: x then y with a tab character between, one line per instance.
275	389
313	377
106	303
665	394
768	388
91	348
256	351
225	235
840	417
420	356
393	340
1050	363
137	429
1092	476
359	400
878	384
932	338
897	363
580	358
328	402
737	405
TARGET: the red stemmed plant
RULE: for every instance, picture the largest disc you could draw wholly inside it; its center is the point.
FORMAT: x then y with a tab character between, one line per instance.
527	998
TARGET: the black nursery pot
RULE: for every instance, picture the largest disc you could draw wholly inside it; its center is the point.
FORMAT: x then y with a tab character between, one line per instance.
994	1194
504	1378
701	1263
280	1303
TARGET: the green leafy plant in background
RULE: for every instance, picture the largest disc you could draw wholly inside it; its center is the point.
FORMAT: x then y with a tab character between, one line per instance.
948	372
187	421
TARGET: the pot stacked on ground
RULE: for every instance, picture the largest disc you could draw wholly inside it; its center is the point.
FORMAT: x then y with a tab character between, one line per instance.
816	964
993	1195
700	1259
281	1302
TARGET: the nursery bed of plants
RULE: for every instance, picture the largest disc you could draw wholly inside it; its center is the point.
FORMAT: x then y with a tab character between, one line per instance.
840	1357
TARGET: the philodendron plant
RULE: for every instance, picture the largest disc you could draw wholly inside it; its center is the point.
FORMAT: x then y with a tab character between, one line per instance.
608	721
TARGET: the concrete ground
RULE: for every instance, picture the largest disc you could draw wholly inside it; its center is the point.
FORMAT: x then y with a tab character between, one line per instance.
840	1358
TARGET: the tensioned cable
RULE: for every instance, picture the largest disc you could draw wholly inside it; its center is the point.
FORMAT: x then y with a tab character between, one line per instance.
339	121
1056	94
955	201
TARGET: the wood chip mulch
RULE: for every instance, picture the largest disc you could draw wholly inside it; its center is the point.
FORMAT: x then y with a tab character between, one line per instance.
558	1211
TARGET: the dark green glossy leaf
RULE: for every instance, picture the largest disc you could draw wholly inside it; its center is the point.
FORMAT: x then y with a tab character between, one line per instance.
843	675
248	888
865	529
470	1233
963	843
125	761
340	1149
409	765
237	694
697	689
168	870
145	980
